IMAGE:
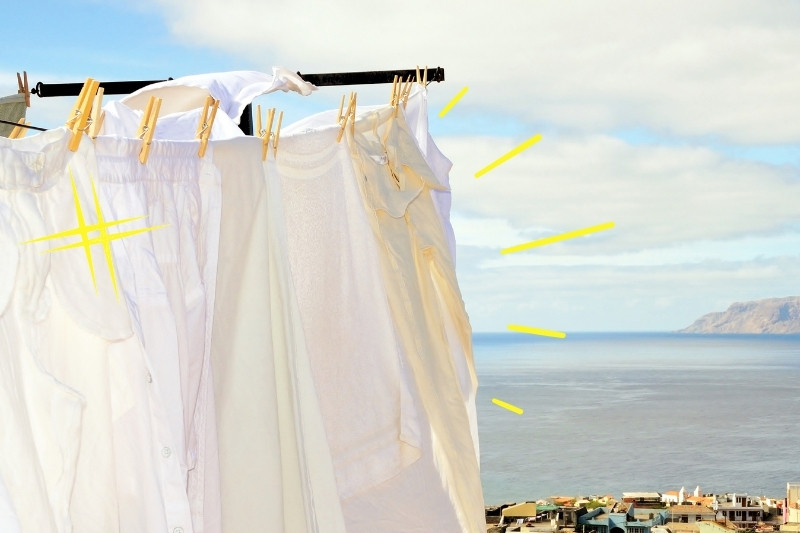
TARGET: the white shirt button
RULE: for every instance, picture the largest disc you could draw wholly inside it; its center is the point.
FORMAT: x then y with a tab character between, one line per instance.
149	377
166	452
177	530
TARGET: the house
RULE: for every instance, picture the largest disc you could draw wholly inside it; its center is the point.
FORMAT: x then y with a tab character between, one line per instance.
705	501
791	510
687	514
651	500
525	511
622	518
679	497
742	510
685	518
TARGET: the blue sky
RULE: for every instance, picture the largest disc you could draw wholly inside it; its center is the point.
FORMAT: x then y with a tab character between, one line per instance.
677	121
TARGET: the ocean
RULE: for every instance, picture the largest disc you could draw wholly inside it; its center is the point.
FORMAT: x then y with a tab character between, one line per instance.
609	413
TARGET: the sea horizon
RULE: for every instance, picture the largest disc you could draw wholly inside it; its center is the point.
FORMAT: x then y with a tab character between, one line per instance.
612	412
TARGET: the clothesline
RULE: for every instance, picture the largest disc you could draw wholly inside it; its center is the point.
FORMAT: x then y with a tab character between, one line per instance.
266	344
330	79
22	125
46	90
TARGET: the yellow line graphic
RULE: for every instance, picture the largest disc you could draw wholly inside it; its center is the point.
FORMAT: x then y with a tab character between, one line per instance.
101	227
516	151
504	405
537	331
453	102
557	238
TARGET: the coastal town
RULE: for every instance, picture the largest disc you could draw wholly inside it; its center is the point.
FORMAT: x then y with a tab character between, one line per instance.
678	511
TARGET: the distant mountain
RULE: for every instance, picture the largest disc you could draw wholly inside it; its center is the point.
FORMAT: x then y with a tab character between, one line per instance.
772	315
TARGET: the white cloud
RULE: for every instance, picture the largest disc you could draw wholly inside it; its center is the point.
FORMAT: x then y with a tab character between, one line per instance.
657	196
724	68
612	298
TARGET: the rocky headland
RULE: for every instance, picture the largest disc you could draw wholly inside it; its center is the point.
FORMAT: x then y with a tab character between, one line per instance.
771	315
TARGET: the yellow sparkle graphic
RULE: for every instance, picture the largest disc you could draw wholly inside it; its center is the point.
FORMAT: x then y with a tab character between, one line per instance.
504	405
557	238
453	102
516	151
537	331
83	230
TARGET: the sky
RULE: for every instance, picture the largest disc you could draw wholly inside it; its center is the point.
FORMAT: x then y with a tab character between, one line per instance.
677	121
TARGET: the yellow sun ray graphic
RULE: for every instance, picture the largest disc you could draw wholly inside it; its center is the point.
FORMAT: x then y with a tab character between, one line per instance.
557	238
541	242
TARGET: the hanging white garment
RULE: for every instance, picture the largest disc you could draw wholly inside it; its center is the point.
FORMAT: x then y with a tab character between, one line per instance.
352	345
275	465
183	99
40	417
77	333
9	523
171	296
395	182
416	113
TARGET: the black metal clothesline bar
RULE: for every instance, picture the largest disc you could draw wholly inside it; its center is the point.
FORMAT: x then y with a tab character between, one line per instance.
22	125
47	90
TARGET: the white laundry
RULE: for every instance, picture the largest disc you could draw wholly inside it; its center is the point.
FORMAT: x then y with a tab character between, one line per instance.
275	465
171	295
40	417
352	345
272	345
395	181
67	338
183	99
416	113
9	523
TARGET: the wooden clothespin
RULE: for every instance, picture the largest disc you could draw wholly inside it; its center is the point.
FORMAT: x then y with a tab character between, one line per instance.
97	114
147	127
265	134
277	135
206	122
353	115
341	108
406	92
349	114
19	132
394	91
79	116
425	77
23	87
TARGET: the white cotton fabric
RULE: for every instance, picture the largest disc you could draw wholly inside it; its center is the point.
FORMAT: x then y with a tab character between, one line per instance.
77	336
9	523
40	417
171	296
352	345
183	100
123	121
74	338
275	465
